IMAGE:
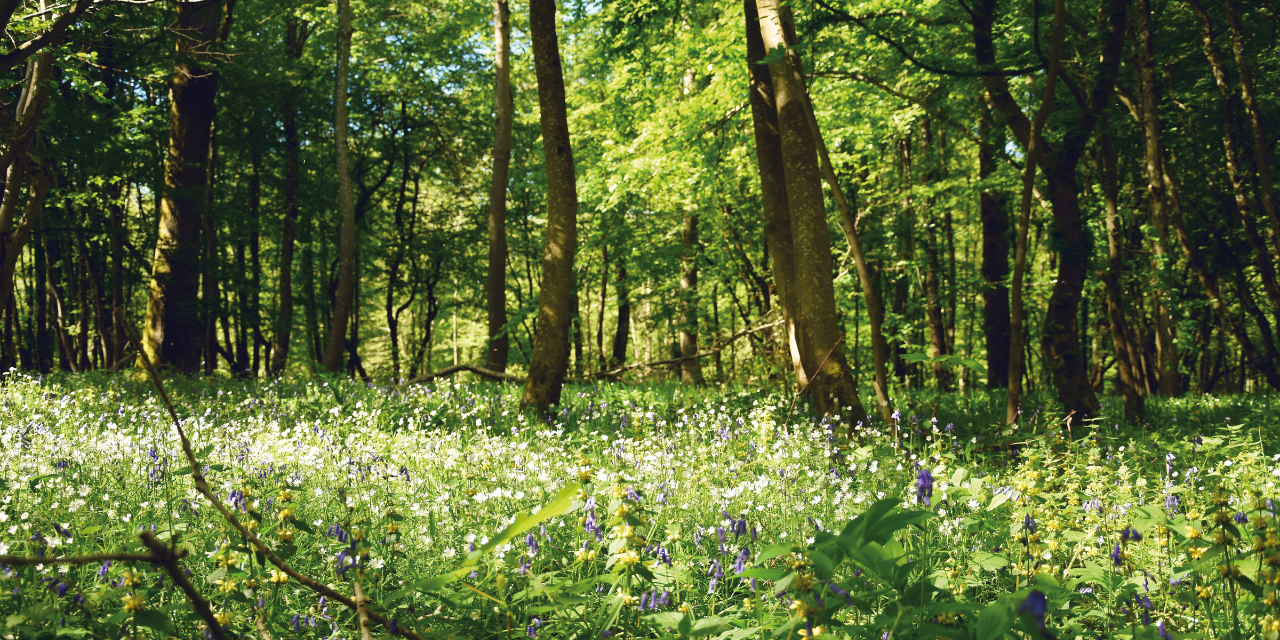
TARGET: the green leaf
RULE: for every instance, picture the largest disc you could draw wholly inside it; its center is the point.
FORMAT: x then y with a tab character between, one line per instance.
763	574
154	620
773	551
664	620
992	622
523	523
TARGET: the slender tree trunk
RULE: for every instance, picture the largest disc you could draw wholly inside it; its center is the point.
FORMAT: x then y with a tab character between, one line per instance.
773	189
211	291
830	381
496	285
1265	186
550	361
619	356
172	334
345	295
118	233
866	278
1127	382
992	206
44	351
297	32
690	364
1166	355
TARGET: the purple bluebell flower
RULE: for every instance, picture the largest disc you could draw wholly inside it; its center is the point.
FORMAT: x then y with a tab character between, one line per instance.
1116	558
1037	605
1240	517
740	564
532	542
392	627
924	486
106	567
1163	633
664	556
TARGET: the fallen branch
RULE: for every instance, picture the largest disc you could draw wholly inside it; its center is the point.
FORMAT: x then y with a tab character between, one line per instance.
480	371
720	346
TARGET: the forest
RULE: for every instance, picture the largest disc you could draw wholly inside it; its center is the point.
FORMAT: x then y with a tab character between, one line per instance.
648	319
864	201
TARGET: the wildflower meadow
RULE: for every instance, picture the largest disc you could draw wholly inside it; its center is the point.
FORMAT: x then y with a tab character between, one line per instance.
356	510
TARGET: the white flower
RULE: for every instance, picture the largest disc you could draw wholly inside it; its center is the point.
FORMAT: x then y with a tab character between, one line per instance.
449	552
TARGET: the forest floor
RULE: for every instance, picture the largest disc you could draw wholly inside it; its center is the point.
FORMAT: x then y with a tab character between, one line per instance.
640	510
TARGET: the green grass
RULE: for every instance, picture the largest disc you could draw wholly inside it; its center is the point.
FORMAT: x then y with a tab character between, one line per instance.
822	524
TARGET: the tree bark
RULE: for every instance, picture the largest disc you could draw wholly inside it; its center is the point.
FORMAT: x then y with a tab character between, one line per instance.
172	325
296	37
496	283
344	299
690	364
1153	156
14	235
550	361
773	188
1060	342
831	384
619	355
992	207
1127	382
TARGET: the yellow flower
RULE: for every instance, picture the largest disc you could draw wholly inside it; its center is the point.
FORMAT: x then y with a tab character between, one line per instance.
251	525
286	513
1195	552
584	475
1228	570
134	603
684	608
223	617
227	559
226	585
279	577
286	496
130	579
393	528
804	633
1205	592
284	534
628	558
1194	533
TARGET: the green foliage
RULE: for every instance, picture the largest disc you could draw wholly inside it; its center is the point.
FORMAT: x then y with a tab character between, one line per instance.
646	511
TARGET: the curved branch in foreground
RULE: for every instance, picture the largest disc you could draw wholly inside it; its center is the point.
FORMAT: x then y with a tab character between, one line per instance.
202	485
480	371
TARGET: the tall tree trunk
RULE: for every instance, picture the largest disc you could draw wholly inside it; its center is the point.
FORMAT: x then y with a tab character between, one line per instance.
619	356
14	234
604	292
690	364
345	295
773	188
830	381
1127	382
118	233
1153	155
1059	341
44	351
296	38
1265	187
550	361
210	288
992	207
172	334
496	284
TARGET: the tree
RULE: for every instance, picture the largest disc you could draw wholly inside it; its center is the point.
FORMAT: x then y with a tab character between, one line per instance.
550	362
172	329
344	300
830	381
496	284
